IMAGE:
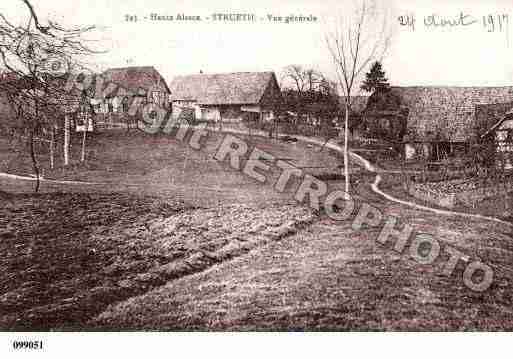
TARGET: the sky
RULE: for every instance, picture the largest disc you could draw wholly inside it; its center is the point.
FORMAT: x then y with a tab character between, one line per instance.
428	55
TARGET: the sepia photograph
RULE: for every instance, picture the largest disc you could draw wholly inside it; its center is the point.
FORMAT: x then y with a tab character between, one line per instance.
191	171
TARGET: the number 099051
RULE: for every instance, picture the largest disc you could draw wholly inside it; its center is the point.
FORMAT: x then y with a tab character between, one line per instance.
27	345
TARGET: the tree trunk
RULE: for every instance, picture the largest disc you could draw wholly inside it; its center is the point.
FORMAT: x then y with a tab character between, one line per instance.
82	156
35	165
52	151
346	148
66	140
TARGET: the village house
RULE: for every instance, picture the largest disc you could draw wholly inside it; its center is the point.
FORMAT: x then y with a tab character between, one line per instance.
228	97
433	122
500	133
143	82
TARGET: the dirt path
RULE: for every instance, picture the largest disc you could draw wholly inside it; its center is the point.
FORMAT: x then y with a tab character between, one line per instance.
375	187
33	179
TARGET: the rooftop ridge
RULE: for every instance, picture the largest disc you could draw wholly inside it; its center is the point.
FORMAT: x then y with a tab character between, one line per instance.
450	86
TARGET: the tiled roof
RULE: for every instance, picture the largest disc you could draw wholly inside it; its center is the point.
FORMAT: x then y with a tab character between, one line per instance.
238	88
136	78
449	112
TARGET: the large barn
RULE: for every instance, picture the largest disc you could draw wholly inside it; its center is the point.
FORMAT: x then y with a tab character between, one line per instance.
227	97
437	119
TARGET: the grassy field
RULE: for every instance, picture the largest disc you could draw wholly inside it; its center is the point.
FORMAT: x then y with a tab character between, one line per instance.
162	166
163	211
173	239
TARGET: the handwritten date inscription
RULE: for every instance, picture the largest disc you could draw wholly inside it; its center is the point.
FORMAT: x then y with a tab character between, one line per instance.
490	23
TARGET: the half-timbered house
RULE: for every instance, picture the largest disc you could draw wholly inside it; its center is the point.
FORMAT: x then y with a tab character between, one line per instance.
143	84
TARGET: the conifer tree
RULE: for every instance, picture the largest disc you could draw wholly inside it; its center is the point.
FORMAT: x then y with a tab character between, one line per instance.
375	79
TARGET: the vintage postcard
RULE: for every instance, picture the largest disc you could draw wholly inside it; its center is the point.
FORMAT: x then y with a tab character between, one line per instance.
255	166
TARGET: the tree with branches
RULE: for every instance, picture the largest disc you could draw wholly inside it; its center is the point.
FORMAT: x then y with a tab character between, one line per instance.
354	39
302	83
35	59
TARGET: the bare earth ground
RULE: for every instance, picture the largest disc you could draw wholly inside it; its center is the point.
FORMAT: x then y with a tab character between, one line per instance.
195	245
329	277
67	256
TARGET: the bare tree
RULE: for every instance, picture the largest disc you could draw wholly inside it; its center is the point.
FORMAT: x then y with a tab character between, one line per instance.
355	39
37	57
303	81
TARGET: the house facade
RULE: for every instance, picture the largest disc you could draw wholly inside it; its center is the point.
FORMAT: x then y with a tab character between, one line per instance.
501	133
84	115
143	84
228	97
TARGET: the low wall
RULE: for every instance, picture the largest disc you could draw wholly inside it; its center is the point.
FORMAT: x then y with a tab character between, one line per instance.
423	193
450	199
470	198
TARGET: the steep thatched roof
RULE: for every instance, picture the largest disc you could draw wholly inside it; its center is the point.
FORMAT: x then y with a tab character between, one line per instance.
447	113
136	78
238	88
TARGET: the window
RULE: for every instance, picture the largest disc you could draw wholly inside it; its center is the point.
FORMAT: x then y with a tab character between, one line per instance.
502	135
156	97
125	104
84	118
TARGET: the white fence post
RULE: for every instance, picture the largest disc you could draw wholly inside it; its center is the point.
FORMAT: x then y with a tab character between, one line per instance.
66	140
